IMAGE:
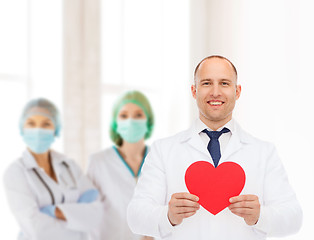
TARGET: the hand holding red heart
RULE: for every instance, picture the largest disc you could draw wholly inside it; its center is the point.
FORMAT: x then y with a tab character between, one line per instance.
247	207
182	205
215	186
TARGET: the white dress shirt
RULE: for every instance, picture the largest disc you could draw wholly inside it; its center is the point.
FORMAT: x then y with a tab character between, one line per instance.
223	139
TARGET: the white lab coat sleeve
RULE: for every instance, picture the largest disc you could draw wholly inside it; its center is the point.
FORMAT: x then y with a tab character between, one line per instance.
23	204
82	216
147	211
92	173
281	213
83	182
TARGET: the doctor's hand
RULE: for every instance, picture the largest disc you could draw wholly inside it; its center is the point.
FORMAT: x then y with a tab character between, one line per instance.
88	196
147	238
49	210
182	205
53	211
59	214
247	207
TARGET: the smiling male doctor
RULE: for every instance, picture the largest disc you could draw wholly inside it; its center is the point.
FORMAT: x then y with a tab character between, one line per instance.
162	207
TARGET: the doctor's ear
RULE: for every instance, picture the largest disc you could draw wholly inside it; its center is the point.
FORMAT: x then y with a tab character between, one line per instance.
193	90
238	91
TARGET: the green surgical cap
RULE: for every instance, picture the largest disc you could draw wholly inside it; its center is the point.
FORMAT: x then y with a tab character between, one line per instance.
139	99
41	106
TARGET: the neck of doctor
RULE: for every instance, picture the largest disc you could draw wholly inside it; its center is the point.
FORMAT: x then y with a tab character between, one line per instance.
133	150
43	160
214	125
133	154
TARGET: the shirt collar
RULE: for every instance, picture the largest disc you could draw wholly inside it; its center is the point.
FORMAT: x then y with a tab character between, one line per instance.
30	162
200	126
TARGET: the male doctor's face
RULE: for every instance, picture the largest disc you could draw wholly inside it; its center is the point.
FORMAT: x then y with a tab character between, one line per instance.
215	91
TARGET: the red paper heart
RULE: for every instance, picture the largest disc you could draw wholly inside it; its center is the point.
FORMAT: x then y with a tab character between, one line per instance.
214	186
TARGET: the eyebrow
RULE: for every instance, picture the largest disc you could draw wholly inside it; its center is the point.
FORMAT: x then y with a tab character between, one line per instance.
47	121
139	112
209	79
206	79
29	120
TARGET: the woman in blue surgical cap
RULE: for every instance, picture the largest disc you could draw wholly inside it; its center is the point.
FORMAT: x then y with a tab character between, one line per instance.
114	171
46	191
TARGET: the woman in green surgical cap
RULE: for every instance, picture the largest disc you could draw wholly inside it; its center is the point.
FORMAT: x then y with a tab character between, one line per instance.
115	170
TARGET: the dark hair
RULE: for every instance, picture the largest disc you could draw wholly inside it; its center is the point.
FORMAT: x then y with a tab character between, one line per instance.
215	56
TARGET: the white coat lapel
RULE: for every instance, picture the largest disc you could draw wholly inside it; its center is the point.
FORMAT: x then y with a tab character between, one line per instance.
238	138
194	140
233	146
62	171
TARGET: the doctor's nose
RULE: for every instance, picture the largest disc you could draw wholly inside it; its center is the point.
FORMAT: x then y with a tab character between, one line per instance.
215	91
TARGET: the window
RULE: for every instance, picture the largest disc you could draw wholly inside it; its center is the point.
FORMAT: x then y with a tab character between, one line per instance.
30	66
145	48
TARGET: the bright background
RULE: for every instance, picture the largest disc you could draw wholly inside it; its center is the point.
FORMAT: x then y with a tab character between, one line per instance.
83	54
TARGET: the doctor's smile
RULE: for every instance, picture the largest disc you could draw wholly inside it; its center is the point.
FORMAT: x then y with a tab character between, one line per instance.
215	103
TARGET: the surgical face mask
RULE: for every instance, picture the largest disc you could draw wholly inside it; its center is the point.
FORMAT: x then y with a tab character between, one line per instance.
38	140
132	130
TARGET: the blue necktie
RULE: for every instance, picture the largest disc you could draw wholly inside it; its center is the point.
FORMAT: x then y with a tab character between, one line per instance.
213	146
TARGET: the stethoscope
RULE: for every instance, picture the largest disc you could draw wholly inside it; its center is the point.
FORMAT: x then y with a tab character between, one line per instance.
48	188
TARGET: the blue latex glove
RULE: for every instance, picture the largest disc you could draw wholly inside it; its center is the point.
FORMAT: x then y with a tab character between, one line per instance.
49	210
88	196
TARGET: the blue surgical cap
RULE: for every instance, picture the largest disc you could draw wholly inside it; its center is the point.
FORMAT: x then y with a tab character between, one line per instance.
41	106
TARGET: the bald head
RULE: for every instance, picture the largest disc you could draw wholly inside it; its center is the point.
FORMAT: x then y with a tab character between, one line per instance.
211	57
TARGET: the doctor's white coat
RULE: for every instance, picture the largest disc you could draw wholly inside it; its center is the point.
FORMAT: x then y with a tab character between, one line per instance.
110	174
163	175
26	194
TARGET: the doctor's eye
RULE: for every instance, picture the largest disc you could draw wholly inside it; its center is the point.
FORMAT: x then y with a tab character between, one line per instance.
47	124
29	123
123	115
206	82
225	82
139	115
